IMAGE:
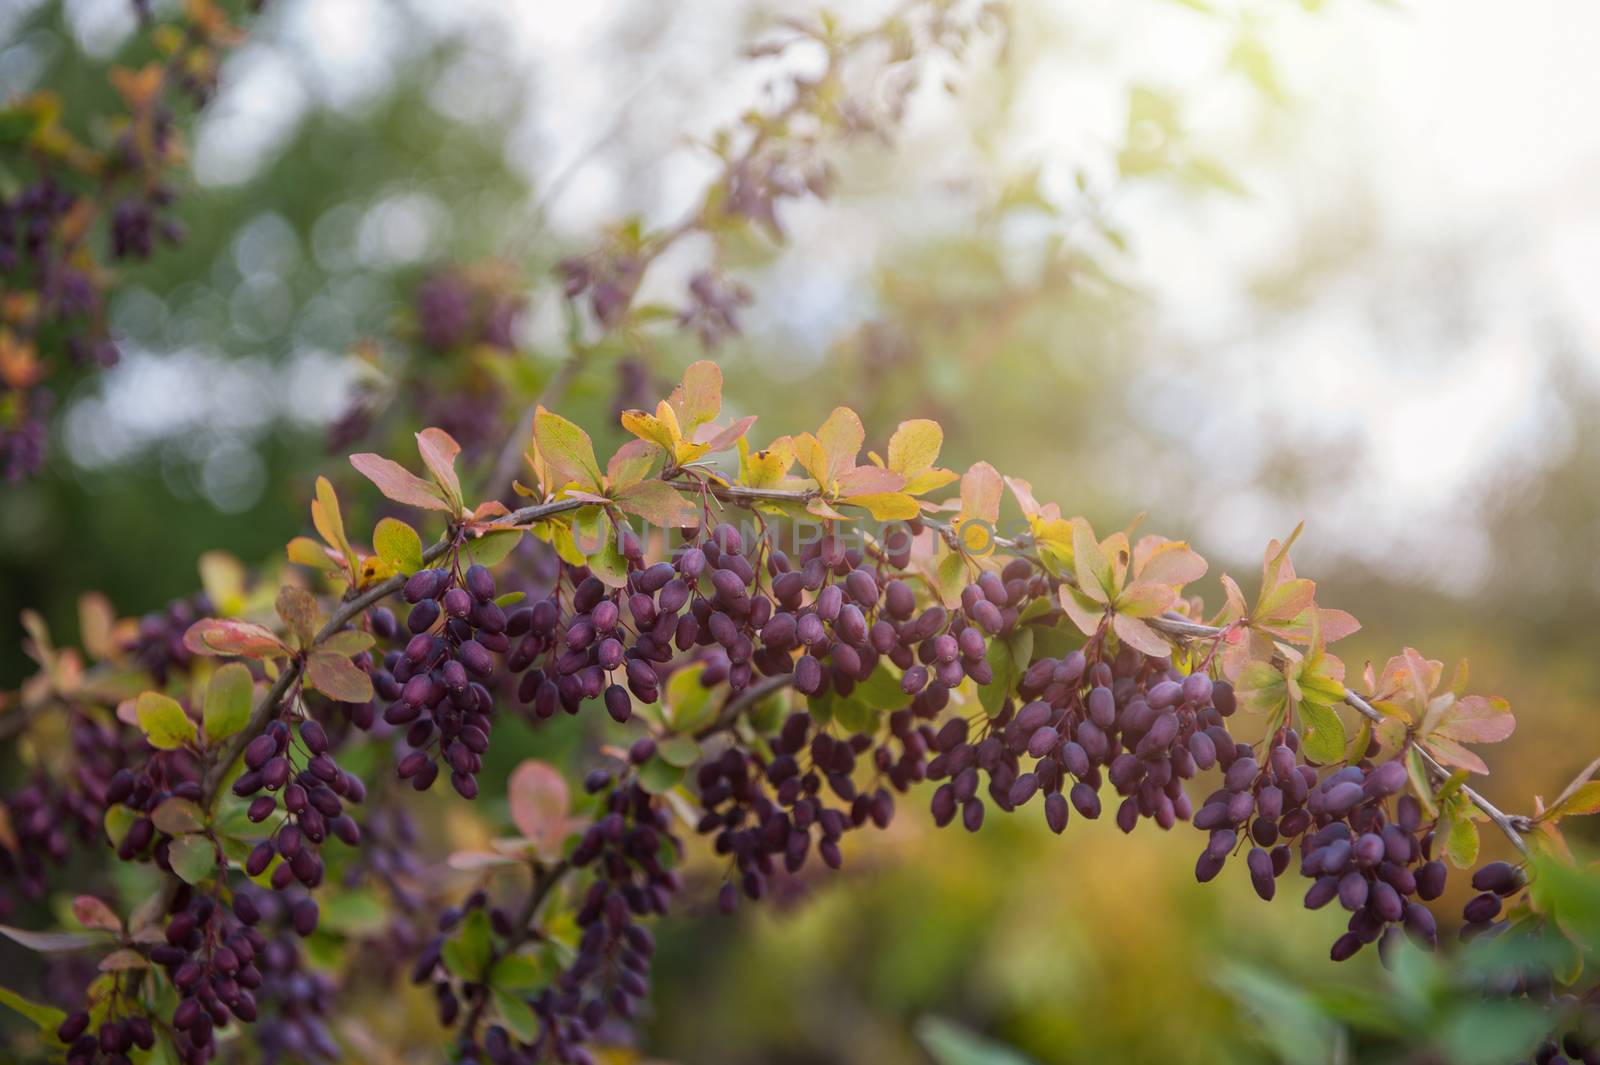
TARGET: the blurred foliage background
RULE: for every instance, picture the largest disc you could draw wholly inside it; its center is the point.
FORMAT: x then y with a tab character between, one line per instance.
1226	265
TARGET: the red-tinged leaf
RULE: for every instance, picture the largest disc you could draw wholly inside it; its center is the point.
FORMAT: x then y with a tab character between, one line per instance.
52	942
439	450
660	504
1418	676
1023	492
178	816
981	488
869	480
698	399
1084	612
540	805
225	636
490	509
1171	562
1140	636
1337	624
1092	568
1276	566
1284	602
1584	800
339	678
631	464
1452	753
124	960
477	861
1145	599
92	913
723	439
298	609
567	453
400	484
840	438
1234	606
821	509
1262	688
1477	719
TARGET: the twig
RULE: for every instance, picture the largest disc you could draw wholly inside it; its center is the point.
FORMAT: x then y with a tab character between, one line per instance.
1512	825
742	701
545	878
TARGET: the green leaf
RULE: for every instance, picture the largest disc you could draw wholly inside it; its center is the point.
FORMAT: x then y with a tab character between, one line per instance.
178	817
688	703
1585	799
566	451
467	954
354	913
493	546
1323	737
950	1044
881	689
1261	689
118	820
519	972
1008	657
680	751
658	776
398	544
854	715
193	858
164	723
1461	841
519	1018
227	707
348	642
46	1018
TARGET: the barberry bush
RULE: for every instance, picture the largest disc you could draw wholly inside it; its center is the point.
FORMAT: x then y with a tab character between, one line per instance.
778	646
737	653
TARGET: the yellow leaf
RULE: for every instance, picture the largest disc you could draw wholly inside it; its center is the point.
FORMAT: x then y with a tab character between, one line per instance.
330	524
650	429
915	446
766	468
926	481
813	459
840	438
567	451
699	399
885	506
